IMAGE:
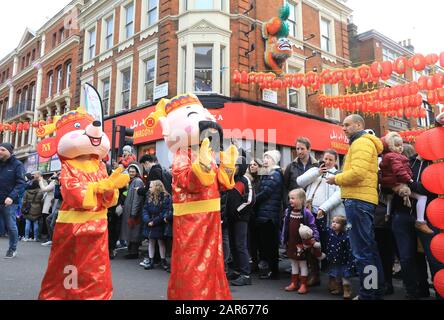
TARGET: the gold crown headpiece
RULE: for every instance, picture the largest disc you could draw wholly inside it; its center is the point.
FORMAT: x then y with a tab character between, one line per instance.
165	106
60	121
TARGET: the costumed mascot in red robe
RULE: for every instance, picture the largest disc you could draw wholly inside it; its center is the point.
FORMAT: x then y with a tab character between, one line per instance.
197	266
79	266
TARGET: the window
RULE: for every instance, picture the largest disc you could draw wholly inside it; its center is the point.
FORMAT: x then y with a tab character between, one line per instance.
184	59
203	4
389	55
126	88
150	70
109	23
292	19
152	12
223	69
33	55
54	39
50	82
430	116
203	68
295	100
92	44
106	95
68	75
129	20
325	35
331	113
62	34
59	80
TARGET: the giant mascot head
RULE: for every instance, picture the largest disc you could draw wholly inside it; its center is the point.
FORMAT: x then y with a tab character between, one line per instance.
277	47
77	134
185	122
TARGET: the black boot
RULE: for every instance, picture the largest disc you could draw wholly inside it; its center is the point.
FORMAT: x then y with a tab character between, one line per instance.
150	264
164	264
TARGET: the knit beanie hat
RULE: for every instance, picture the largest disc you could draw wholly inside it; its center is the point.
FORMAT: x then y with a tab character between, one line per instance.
128	149
8	147
274	155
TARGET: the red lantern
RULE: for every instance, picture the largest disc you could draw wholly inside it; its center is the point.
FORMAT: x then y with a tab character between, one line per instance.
349	73
26	126
252	77
35	124
419	62
440	93
400	65
431	59
427	146
356	79
422	83
422	113
413	88
431	83
376	69
364	71
418	100
438	282
437	247
244	77
387	69
408	113
1	127
432	97
439	80
400	113
20	127
14	127
435	213
433	178
236	79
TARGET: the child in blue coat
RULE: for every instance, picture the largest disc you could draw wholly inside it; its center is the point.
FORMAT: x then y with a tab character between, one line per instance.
339	257
158	206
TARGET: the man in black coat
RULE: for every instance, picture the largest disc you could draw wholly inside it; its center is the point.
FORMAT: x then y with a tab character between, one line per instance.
152	171
12	183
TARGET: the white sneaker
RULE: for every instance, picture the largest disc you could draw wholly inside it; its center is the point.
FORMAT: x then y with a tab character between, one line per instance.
26	239
144	263
32	240
47	244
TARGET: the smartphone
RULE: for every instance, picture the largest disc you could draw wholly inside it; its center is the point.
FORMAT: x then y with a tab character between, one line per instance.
321	163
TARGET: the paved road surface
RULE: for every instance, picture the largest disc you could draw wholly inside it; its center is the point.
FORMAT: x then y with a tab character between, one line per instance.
20	279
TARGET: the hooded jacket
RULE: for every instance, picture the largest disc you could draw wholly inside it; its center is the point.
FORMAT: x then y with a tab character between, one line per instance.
395	168
12	179
359	179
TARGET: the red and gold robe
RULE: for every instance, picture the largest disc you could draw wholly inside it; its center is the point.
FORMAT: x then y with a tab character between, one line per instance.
197	266
79	266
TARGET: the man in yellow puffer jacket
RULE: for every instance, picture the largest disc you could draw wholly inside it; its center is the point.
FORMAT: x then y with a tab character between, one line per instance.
359	189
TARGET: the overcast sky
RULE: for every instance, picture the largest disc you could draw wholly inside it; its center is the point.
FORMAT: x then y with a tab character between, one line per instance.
420	21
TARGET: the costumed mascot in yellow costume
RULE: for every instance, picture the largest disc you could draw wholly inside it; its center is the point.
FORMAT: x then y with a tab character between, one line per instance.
79	266
197	268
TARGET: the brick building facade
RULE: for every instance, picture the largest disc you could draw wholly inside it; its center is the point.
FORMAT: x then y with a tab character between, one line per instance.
40	77
129	49
370	46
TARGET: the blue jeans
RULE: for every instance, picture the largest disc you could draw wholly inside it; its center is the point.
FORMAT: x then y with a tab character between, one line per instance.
403	226
365	250
2	226
35	228
9	216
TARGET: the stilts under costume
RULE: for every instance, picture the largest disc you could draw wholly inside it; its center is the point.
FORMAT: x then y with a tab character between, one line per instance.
78	266
197	268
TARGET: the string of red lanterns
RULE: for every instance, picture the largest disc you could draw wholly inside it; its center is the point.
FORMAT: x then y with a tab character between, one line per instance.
351	76
429	147
22	126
